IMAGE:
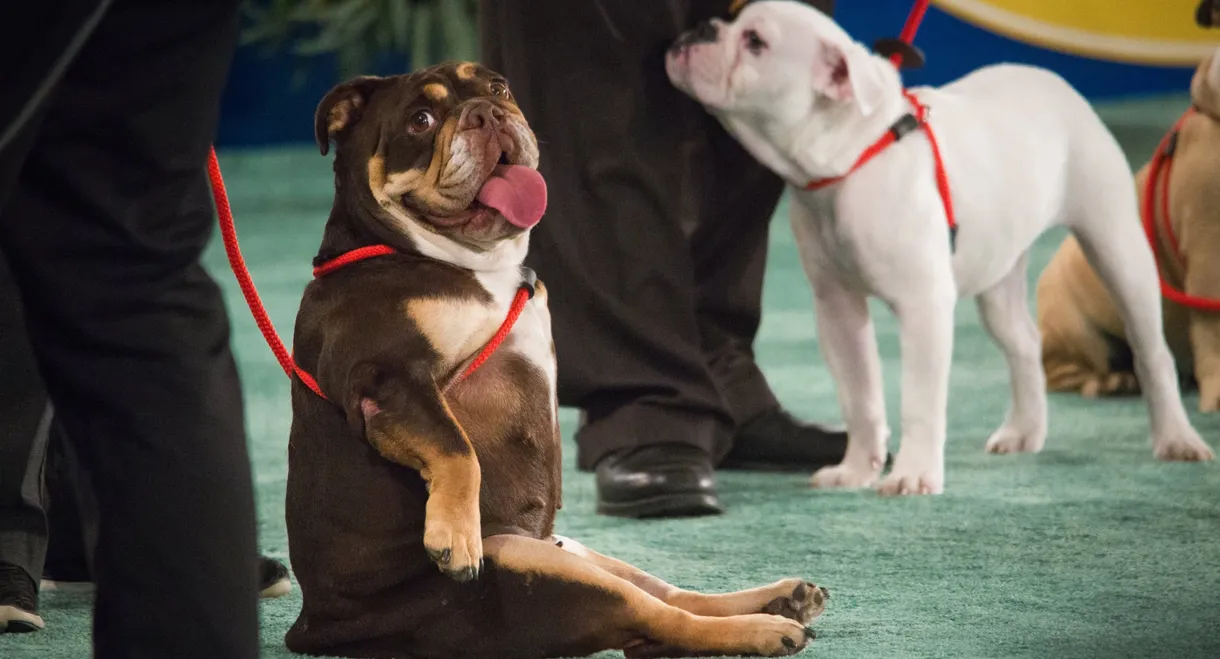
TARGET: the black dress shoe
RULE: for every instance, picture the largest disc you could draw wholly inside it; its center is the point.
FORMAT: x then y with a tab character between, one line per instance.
661	480
776	441
18	601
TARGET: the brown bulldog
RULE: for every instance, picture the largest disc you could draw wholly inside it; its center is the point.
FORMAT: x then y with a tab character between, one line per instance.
424	475
1084	347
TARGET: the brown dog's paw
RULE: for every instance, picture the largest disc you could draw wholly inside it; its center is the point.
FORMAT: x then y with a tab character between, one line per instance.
459	554
1110	384
774	636
803	603
1209	394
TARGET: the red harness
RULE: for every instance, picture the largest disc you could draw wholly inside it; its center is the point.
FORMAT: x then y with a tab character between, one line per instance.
906	124
1156	193
238	264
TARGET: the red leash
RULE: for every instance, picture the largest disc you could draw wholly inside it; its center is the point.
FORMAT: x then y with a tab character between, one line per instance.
229	233
907	123
1156	192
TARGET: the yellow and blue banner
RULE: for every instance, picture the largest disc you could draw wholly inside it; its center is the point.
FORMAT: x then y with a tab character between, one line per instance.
1105	48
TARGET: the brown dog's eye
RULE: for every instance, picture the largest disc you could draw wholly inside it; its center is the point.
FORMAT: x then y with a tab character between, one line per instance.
499	89
754	43
421	121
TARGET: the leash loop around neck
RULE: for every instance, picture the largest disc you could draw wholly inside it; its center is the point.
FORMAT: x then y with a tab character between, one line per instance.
228	233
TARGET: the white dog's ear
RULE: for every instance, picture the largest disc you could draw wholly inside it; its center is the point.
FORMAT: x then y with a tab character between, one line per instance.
848	72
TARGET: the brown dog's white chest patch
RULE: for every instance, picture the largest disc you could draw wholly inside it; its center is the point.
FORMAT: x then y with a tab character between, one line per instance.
457	328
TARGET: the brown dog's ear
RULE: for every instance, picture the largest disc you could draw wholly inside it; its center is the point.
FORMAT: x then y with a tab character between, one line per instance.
341	107
1206	14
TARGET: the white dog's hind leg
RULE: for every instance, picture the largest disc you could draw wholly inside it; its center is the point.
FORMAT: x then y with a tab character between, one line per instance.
849	345
1109	230
1005	313
925	319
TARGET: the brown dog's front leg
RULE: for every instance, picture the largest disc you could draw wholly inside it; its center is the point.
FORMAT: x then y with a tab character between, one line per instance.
413	426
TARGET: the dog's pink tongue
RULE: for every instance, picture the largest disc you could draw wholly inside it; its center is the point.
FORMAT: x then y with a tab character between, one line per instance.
518	192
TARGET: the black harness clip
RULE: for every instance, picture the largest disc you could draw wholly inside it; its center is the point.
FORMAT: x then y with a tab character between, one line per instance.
529	280
905	124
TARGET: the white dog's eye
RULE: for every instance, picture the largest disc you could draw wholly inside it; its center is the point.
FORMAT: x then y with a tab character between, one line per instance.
754	43
421	121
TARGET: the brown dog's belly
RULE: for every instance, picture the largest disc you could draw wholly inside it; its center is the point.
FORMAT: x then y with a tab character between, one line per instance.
356	521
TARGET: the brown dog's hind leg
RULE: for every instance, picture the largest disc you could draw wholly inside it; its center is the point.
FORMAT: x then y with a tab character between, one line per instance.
796	599
1075	352
543	601
1203	280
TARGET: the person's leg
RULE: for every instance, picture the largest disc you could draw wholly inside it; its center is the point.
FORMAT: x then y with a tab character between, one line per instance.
72	519
737	198
25	415
104	231
590	78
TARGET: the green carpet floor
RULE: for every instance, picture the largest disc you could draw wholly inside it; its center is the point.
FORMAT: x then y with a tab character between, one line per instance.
1090	549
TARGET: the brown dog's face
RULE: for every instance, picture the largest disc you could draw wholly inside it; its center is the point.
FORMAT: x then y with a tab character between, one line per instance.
445	149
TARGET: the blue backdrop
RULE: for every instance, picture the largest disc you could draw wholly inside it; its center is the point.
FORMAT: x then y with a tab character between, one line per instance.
270	98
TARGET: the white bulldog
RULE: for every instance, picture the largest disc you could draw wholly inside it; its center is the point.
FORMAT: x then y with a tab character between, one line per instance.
1022	152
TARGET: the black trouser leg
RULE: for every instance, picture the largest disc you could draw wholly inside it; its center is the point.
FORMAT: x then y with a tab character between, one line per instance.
72	514
614	136
104	232
737	197
25	417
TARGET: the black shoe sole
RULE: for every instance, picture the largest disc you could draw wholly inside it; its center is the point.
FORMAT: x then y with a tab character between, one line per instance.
669	505
19	627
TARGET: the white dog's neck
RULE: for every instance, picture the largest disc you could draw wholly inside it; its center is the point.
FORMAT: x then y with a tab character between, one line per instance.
824	142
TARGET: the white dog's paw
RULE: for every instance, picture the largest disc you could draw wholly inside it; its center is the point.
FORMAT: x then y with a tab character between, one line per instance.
913	477
1182	447
1011	439
846	476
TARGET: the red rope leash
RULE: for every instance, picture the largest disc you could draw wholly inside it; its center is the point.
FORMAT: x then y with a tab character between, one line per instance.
907	36
1156	192
229	234
348	258
523	295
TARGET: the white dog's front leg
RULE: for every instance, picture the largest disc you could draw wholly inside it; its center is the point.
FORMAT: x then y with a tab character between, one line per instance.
926	340
849	345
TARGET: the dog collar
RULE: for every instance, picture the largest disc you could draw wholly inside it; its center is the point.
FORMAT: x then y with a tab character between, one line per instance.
1156	193
525	292
905	125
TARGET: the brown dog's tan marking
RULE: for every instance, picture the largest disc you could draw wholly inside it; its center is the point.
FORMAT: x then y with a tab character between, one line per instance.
466	70
456	329
436	92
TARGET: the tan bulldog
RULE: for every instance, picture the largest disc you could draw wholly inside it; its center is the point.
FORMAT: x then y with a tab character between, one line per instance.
1084	345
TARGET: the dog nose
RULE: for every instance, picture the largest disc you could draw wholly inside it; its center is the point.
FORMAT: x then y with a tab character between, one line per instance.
705	32
480	115
825	592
